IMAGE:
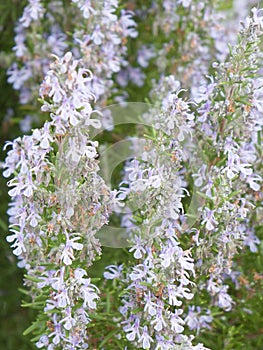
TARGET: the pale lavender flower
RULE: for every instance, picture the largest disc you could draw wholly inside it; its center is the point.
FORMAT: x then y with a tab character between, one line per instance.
139	249
145	54
67	255
113	272
159	322
145	339
43	341
185	3
209	219
32	12
177	323
198	319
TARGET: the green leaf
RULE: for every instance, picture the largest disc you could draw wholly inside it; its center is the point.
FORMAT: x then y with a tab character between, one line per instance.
32	278
23	291
107	338
34	305
31	328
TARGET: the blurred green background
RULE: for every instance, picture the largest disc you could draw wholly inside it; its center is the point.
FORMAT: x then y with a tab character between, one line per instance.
236	331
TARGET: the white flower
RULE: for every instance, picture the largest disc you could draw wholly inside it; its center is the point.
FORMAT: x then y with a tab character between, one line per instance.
209	219
145	338
139	272
185	3
43	341
149	306
32	12
113	272
252	181
173	296
168	256
89	294
159	322
176	321
138	247
67	254
68	321
62	298
133	330
224	299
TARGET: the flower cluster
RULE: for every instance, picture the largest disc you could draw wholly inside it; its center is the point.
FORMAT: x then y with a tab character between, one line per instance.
193	34
227	128
230	126
59	203
191	193
98	37
159	282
